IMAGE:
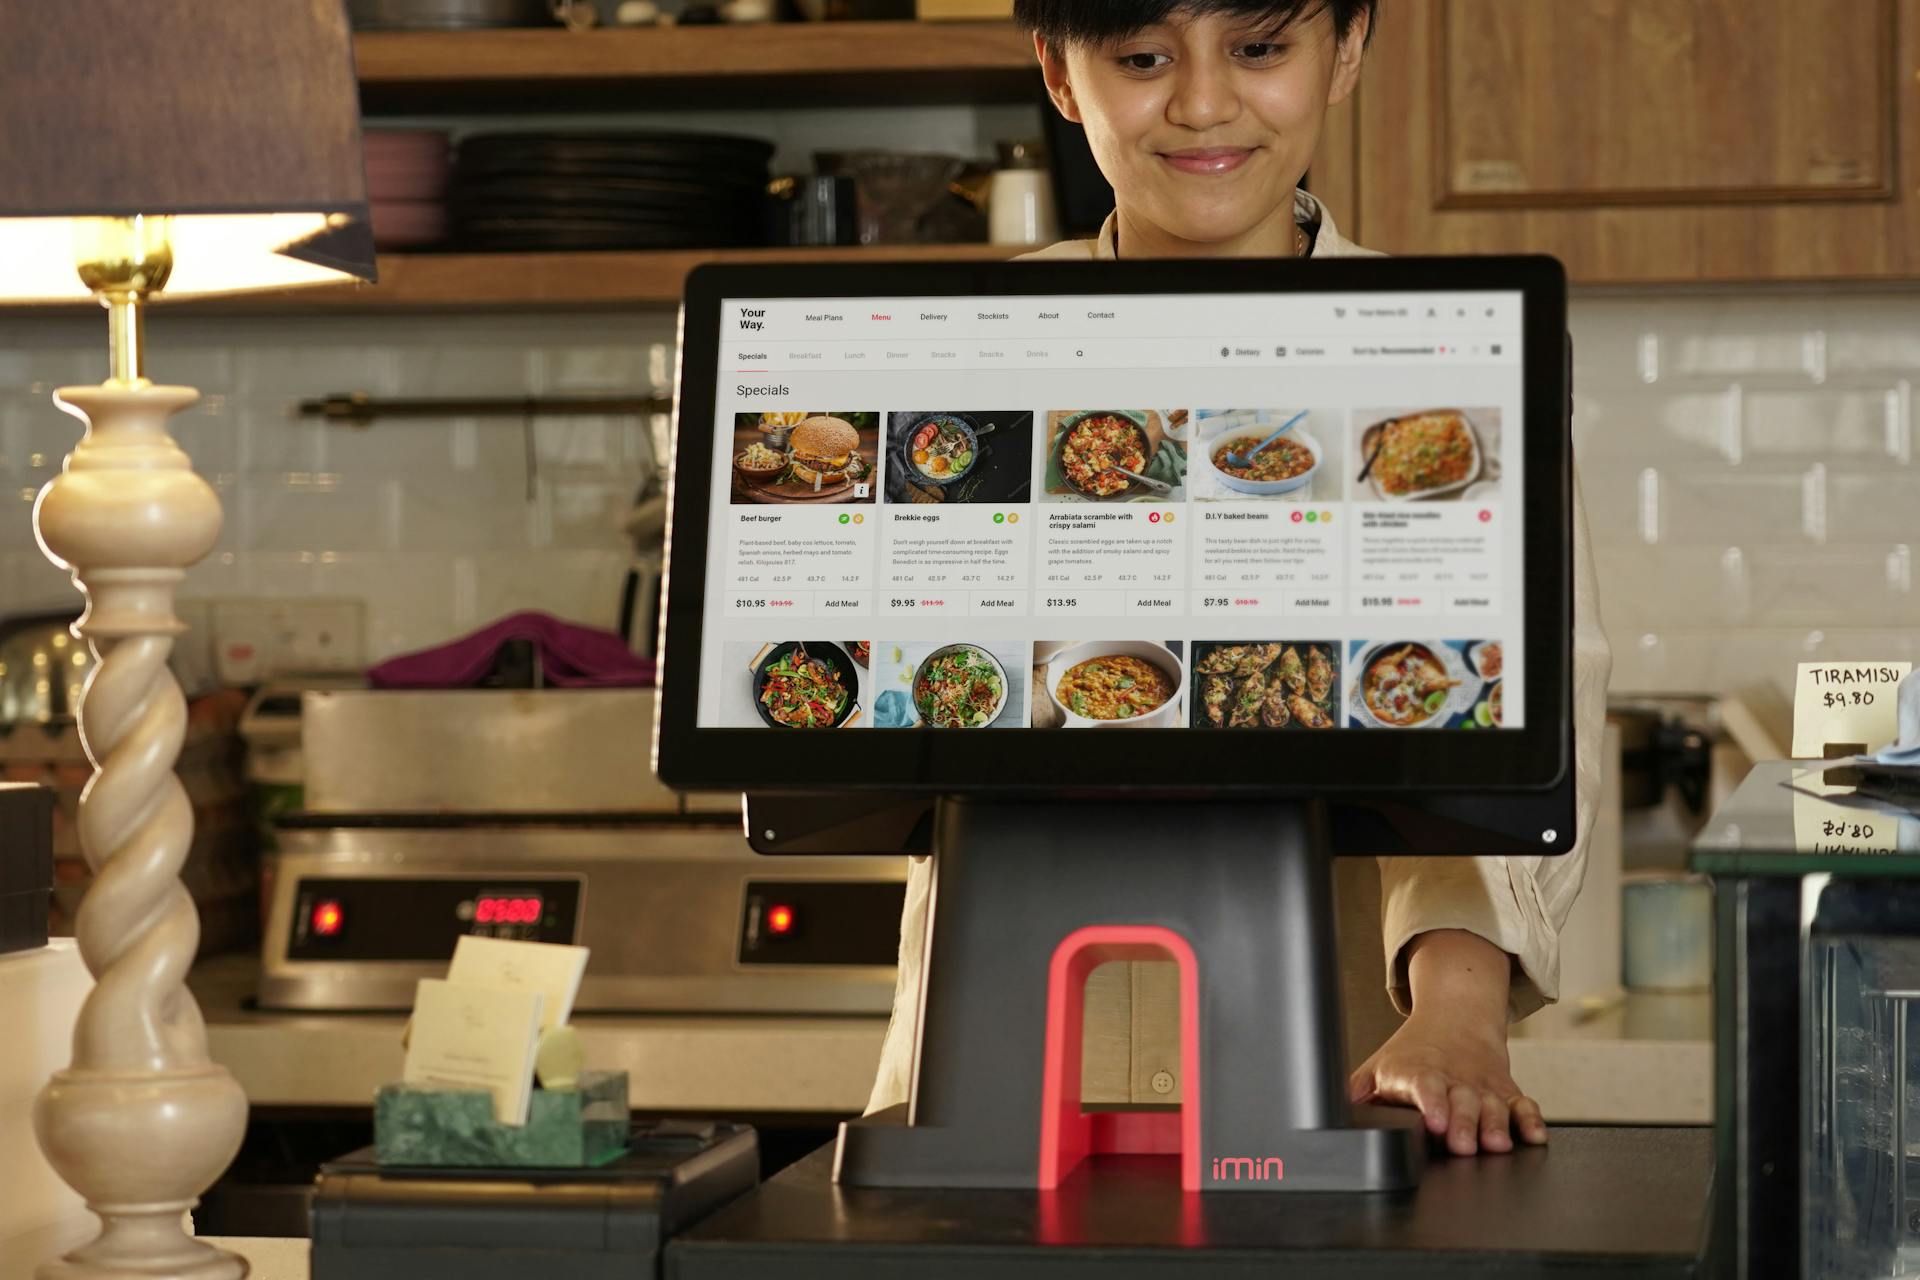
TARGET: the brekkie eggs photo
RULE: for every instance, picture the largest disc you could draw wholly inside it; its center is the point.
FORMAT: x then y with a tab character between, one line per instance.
975	456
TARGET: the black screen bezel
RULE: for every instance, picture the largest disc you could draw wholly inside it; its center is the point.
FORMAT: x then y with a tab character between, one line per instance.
1178	761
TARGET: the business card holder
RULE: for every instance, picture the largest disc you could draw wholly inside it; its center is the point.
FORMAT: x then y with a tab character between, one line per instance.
434	1127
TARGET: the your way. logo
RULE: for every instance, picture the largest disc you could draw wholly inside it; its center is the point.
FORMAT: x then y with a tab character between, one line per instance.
753	320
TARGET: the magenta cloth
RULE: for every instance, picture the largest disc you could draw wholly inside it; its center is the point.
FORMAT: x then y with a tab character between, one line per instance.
571	656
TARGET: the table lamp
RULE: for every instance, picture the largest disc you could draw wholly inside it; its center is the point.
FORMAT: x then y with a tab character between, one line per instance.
209	148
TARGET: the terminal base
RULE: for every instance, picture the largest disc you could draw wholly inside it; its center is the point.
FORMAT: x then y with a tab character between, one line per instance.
1027	899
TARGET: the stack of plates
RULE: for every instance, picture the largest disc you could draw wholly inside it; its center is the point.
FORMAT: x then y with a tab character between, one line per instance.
447	15
555	191
407	174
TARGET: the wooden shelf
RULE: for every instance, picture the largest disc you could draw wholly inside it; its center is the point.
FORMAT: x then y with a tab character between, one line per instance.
763	66
759	66
450	281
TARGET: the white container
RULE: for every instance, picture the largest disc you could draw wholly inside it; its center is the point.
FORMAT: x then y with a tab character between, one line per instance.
1020	207
1667	931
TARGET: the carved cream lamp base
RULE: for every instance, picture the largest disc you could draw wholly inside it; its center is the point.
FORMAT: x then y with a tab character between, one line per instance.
142	1122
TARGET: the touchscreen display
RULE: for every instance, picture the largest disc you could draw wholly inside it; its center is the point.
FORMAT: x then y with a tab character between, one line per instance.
1288	514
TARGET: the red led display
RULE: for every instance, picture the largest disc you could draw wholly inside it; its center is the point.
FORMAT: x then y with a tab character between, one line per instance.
780	919
504	910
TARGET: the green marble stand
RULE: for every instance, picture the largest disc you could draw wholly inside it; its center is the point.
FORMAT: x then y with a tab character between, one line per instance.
431	1127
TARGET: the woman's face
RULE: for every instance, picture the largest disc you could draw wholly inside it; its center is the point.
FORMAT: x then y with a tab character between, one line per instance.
1205	124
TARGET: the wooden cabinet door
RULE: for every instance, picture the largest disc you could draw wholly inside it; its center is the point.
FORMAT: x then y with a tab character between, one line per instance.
1647	140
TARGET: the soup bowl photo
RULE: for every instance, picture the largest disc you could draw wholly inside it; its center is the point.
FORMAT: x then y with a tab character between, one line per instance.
1244	437
1166	715
1459	698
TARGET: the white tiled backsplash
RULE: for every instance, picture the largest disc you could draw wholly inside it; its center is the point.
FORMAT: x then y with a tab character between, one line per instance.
1748	465
438	524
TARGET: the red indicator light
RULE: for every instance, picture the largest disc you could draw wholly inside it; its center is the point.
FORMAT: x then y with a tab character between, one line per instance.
327	919
780	919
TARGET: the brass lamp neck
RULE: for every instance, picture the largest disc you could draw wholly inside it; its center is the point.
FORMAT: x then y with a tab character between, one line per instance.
123	260
126	334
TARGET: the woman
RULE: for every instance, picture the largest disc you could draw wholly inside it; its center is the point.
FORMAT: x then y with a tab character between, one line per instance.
1204	114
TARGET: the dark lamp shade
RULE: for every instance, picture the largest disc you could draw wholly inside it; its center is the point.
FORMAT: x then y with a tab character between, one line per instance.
238	119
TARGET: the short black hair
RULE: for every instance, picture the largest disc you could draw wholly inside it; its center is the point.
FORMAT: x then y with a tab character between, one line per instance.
1068	22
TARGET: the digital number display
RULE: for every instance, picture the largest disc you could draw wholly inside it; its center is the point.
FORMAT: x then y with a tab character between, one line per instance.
507	910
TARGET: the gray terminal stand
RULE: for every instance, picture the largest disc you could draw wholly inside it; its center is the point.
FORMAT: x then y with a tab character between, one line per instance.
1027	899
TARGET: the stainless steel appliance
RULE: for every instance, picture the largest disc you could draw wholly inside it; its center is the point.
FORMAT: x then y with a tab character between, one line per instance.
532	814
680	914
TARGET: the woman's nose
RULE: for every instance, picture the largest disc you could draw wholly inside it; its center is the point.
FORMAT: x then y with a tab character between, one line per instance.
1203	97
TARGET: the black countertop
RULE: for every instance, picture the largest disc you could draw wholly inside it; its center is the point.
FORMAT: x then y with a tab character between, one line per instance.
1593	1202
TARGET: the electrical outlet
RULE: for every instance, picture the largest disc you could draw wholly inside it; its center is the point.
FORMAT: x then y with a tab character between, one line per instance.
258	639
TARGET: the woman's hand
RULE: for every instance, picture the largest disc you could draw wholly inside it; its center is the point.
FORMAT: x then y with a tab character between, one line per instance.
1449	1058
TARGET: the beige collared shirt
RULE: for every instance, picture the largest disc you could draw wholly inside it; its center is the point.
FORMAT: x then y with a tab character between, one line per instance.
1518	904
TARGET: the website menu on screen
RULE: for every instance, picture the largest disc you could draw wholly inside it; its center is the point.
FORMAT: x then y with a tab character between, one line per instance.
1287	512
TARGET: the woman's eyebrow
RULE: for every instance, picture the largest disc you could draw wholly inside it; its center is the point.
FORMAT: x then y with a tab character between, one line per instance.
1121	37
1266	29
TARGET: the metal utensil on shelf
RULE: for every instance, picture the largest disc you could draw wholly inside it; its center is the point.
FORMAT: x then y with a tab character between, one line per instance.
1246	459
1151	485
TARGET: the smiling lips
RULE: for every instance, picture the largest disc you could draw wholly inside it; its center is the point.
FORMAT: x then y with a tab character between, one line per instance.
1208	161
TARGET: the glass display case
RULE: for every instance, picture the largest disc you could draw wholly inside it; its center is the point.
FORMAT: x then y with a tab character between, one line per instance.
1817	900
1862	1195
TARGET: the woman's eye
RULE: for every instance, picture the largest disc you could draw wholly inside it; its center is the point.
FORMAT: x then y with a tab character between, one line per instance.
1262	51
1144	61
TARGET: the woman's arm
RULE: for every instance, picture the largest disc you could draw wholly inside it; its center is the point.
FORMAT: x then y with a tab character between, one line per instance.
1473	943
